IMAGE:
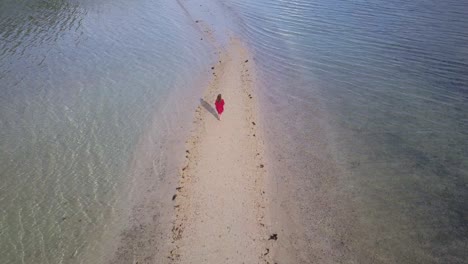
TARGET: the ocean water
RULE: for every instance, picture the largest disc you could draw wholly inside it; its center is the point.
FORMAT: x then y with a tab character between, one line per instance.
365	107
366	104
84	87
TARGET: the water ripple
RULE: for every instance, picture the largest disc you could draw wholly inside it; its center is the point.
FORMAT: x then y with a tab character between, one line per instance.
391	77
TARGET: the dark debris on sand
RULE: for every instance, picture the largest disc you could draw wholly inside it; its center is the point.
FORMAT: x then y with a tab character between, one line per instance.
273	237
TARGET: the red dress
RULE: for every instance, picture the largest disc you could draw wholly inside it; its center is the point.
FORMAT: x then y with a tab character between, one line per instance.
219	106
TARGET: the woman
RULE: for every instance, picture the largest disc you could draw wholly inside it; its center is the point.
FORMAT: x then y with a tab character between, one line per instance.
219	103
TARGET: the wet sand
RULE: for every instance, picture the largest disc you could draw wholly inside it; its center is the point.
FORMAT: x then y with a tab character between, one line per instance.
221	202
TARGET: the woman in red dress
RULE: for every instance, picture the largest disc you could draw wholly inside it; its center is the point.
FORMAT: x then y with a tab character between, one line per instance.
219	103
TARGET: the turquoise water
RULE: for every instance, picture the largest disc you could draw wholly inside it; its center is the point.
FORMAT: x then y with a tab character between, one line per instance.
365	105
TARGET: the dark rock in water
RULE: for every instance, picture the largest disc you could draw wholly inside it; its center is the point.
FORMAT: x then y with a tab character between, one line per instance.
212	68
246	60
196	21
273	237
173	197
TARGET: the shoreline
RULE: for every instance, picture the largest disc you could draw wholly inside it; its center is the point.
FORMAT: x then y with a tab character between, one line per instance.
220	204
221	179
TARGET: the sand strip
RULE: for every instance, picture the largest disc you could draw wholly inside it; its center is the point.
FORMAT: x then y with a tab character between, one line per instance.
220	203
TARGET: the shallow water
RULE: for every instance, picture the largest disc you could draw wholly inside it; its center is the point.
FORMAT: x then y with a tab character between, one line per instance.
380	90
81	82
366	109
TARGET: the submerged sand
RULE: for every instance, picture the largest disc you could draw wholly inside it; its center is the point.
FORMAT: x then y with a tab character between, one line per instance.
220	204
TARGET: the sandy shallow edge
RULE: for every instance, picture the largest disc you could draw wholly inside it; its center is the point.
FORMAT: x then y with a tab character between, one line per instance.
221	203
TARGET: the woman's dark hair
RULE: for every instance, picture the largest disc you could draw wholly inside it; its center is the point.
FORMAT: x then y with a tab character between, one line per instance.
218	98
